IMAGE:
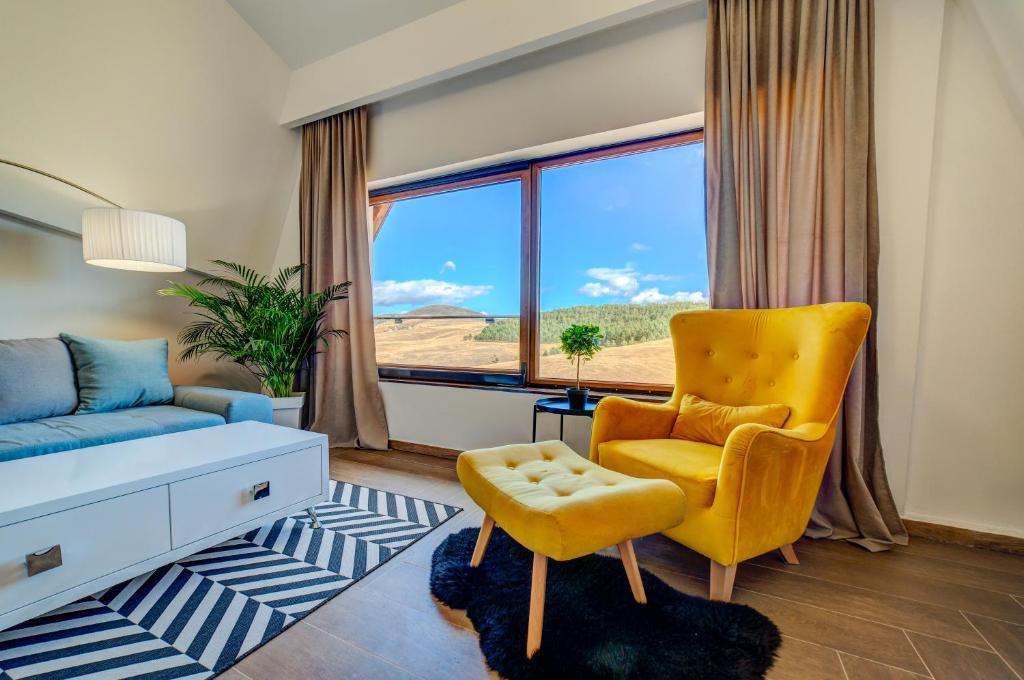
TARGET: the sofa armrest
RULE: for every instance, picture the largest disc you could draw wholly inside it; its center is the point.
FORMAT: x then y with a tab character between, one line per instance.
232	405
619	418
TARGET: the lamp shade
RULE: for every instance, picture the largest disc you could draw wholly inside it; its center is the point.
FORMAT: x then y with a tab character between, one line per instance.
132	239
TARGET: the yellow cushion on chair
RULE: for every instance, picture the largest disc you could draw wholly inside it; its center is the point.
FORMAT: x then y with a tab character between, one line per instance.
700	420
692	466
557	503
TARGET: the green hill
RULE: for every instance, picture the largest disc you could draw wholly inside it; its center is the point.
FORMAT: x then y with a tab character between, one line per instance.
622	324
441	310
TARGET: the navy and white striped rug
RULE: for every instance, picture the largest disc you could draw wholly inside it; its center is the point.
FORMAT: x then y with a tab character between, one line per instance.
198	616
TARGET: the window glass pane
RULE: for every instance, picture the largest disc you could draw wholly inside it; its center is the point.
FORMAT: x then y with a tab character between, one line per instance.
622	247
446	267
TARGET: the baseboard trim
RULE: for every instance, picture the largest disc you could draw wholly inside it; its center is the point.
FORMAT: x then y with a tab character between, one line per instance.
425	449
966	537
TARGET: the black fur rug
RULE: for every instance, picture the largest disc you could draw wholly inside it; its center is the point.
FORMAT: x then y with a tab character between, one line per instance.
592	626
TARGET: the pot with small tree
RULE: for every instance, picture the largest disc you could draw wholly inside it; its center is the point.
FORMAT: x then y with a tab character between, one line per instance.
580	342
269	326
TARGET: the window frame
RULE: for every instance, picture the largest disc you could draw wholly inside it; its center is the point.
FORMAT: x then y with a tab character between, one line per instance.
528	173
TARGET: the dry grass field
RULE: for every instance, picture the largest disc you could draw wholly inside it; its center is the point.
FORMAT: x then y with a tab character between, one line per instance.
447	343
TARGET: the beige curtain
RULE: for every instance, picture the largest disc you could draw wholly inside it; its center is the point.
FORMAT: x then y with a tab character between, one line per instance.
792	209
343	391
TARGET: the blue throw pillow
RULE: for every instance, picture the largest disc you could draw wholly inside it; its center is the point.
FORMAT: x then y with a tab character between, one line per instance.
116	374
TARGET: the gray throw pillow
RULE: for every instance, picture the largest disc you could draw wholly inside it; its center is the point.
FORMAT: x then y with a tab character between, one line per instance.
36	380
116	374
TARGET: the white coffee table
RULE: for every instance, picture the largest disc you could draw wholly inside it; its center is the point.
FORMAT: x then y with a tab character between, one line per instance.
76	522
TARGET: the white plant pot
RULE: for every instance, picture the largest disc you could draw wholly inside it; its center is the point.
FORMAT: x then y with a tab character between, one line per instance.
288	410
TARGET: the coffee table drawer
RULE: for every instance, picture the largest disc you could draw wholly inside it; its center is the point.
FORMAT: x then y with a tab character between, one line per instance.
71	548
204	505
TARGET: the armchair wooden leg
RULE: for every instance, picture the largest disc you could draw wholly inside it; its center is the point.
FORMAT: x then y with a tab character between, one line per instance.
636	584
789	554
481	541
722	578
537	588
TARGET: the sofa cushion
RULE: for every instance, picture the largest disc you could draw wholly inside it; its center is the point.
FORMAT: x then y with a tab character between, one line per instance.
692	466
174	418
64	433
24	440
117	374
37	380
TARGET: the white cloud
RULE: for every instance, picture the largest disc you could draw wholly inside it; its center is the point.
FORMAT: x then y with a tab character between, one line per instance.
611	282
424	291
593	289
447	266
624	282
653	295
640	247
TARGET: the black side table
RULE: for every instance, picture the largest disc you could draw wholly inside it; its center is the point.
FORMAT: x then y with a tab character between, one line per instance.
560	405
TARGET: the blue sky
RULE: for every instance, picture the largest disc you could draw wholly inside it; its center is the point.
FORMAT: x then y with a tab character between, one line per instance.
625	229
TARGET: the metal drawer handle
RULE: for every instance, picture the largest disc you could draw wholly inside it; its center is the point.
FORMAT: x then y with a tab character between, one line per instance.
261	490
44	560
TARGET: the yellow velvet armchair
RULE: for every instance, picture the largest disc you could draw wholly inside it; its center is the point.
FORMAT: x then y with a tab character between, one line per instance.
756	493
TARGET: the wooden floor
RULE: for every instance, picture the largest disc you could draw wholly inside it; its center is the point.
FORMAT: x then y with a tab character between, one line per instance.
928	610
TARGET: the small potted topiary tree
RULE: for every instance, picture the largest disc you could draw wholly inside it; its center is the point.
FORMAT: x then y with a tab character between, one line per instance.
580	342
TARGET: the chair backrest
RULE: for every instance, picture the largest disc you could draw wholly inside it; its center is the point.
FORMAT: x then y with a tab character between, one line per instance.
798	356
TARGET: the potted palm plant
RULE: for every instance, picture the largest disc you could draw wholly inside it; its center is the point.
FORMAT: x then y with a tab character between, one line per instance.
269	326
580	342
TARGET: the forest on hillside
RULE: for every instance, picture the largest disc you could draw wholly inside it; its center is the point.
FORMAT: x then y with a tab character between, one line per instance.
621	324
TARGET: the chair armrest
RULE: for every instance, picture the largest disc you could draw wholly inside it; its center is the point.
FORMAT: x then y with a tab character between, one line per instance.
232	405
768	482
619	418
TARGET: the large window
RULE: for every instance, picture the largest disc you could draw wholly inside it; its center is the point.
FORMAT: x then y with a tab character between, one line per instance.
475	279
446	266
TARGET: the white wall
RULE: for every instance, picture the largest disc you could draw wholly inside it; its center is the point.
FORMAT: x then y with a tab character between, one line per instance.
645	71
172	106
165	105
948	150
640	72
466	418
46	289
966	455
905	91
457	39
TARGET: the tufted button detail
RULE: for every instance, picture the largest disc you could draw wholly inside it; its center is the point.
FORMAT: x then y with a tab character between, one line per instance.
711	352
753	355
728	380
796	355
771	383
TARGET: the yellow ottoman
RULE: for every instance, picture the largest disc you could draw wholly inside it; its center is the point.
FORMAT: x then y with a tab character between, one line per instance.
560	505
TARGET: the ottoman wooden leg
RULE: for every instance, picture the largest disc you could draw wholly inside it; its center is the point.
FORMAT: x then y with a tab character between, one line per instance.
789	554
537	588
636	584
481	541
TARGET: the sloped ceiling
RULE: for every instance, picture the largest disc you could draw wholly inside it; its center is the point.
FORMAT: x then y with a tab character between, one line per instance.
304	31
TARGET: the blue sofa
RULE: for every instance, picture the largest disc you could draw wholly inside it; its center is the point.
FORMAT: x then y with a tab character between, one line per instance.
38	399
